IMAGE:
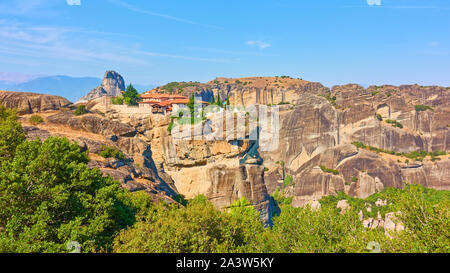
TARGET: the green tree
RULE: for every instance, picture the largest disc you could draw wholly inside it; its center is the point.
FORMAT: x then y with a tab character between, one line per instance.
191	107
117	100
11	134
218	100
81	110
199	227
49	197
131	95
36	119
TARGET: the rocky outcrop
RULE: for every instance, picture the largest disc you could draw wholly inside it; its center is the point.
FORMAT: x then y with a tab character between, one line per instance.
112	85
28	103
136	172
230	184
320	128
317	128
252	90
93	123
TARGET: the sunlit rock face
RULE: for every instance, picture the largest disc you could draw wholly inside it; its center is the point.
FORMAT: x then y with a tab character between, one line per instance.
319	130
27	103
112	85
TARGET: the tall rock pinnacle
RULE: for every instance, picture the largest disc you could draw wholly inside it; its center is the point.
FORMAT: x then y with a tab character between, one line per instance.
112	85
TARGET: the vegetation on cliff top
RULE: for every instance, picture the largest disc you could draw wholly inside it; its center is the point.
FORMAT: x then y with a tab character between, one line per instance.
129	97
415	155
178	87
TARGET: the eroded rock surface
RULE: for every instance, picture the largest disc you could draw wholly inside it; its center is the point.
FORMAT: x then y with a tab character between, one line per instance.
27	103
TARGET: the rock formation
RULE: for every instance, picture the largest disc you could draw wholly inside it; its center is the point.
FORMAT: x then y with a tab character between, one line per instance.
316	150
27	103
112	85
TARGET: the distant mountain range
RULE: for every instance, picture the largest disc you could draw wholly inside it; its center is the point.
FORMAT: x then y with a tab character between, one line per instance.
71	88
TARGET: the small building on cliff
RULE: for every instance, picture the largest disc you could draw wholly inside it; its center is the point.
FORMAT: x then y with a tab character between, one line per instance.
160	103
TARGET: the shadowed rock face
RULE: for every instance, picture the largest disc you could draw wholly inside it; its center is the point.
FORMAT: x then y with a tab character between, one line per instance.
230	184
112	85
28	103
318	132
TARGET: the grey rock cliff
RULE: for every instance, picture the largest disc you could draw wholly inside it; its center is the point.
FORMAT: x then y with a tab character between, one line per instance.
112	85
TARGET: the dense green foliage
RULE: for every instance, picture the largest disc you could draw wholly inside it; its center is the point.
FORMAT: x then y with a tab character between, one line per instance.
178	87
36	119
49	197
117	100
415	155
131	95
11	134
81	110
422	108
394	123
111	152
287	181
200	227
327	170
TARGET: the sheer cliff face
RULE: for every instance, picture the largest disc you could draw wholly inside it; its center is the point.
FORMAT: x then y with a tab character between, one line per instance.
318	127
319	131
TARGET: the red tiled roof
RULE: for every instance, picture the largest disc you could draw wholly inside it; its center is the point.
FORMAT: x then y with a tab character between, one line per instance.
169	103
175	101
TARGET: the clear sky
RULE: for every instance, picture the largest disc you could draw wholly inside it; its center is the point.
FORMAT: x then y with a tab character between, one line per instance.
155	42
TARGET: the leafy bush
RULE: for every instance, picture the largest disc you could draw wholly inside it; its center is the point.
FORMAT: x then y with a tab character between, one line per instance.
422	108
415	155
36	119
111	152
287	181
198	227
394	123
178	87
49	197
11	134
379	117
81	110
325	169
281	199
117	100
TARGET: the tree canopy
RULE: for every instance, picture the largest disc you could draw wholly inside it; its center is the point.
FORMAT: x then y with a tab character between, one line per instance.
131	95
49	197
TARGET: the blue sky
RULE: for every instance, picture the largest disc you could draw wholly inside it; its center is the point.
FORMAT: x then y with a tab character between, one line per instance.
155	42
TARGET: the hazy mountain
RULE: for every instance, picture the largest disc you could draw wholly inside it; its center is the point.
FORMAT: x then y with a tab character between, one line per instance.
71	88
6	85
